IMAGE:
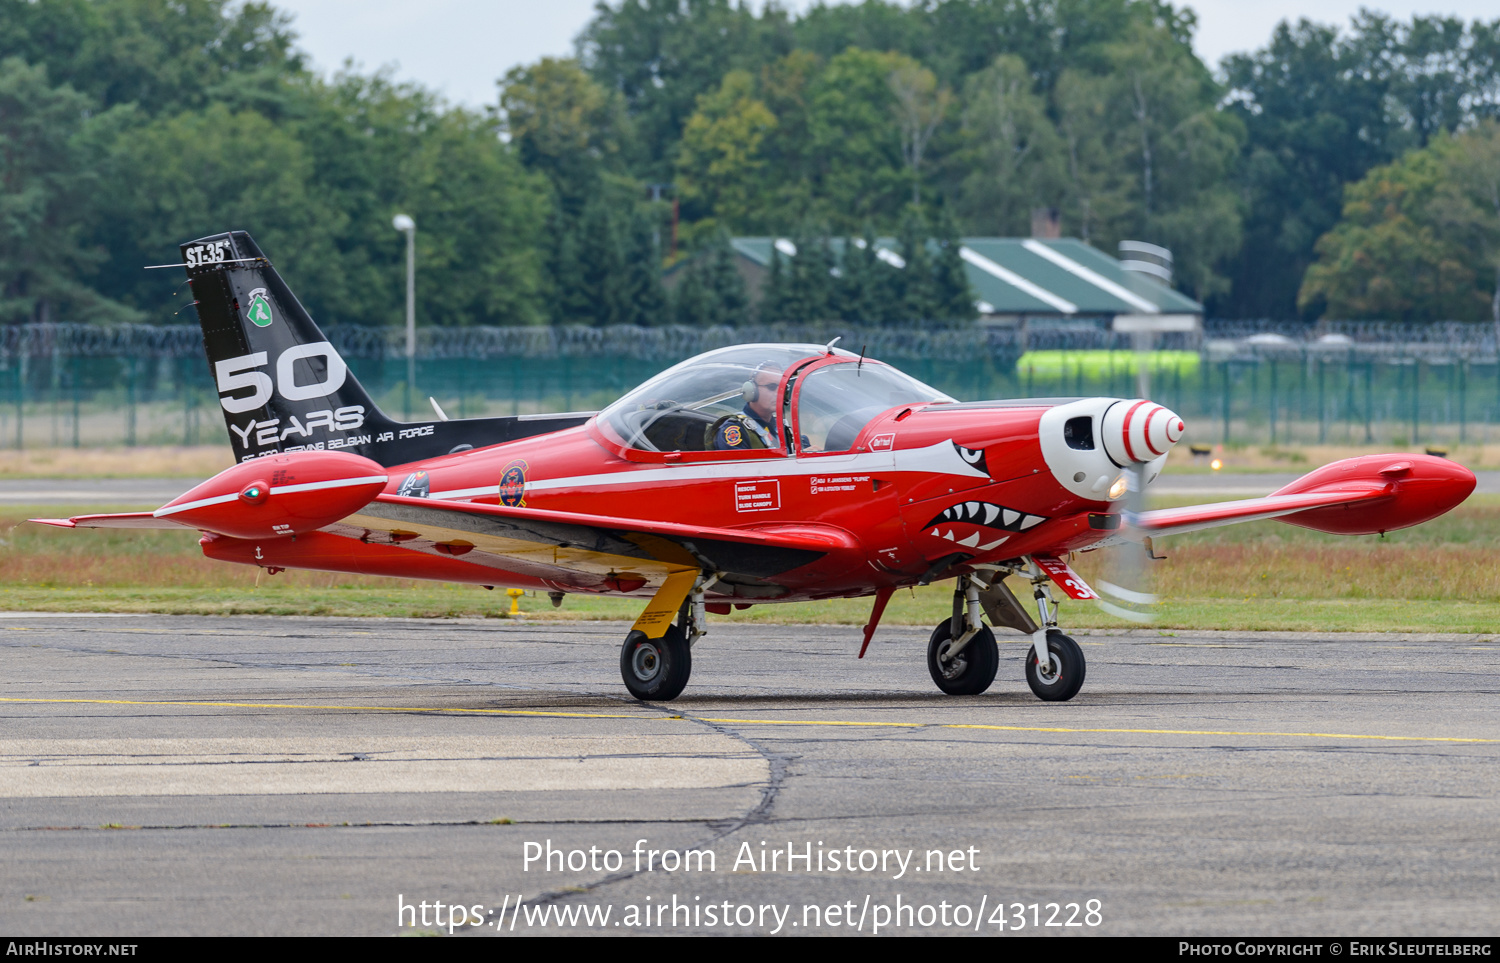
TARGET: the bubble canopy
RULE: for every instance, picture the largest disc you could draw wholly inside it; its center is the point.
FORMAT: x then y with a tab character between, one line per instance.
683	408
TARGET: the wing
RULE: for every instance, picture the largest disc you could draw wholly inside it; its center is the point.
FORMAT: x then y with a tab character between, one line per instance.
1356	496
601	552
1176	521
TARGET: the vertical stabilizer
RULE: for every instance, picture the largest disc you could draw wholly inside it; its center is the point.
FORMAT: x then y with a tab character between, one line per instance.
283	386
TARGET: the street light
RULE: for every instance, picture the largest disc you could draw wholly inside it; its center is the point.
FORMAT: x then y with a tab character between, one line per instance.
405	224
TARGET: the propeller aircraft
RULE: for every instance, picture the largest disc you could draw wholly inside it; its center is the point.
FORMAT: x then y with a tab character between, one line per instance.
750	475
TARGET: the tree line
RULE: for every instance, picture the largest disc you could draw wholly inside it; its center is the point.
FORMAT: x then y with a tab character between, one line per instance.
1336	171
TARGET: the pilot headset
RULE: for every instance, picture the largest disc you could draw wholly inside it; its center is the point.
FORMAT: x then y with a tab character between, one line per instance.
750	390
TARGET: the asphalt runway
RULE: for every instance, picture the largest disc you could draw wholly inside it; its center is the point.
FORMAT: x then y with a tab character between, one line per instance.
280	776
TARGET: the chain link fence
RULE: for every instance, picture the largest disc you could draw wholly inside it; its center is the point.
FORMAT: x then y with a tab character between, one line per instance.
1240	382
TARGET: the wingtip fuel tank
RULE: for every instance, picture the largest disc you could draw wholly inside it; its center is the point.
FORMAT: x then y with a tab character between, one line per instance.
279	495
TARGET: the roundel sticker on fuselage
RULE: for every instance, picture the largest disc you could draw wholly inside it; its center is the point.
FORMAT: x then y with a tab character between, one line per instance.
513	484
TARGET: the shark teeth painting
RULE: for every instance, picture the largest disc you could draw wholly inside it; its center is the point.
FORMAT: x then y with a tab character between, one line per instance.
988	515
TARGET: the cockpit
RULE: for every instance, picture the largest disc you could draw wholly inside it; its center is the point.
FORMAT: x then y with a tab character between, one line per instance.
775	397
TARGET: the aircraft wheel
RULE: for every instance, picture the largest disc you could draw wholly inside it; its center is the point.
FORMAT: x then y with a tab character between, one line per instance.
1065	674
656	669
972	670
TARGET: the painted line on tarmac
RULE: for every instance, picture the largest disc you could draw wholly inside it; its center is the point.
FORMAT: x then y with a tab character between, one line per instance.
1080	729
289	705
532	713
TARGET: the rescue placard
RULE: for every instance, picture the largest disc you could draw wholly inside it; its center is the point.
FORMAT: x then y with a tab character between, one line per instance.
763	495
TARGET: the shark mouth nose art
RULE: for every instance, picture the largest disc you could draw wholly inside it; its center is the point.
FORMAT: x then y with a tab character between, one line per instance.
961	524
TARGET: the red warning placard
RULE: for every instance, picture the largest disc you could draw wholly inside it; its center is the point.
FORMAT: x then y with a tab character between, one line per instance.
1067	579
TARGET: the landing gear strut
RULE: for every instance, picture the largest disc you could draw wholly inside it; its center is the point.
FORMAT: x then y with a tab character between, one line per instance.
1055	665
657	669
962	655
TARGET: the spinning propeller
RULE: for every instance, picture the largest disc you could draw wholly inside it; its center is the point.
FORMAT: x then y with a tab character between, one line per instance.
1137	435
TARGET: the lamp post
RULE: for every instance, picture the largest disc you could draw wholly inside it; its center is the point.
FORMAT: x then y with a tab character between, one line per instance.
406	225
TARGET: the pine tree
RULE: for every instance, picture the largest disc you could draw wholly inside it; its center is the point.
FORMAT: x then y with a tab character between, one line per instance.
775	299
643	302
723	280
954	297
812	297
602	257
571	301
692	302
864	289
918	288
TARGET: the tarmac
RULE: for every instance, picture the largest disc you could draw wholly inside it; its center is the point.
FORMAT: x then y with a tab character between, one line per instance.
290	776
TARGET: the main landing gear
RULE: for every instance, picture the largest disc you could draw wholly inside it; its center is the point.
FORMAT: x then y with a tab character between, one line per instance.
962	655
657	669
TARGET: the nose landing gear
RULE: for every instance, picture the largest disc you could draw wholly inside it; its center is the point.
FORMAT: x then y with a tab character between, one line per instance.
1055	666
1062	677
962	655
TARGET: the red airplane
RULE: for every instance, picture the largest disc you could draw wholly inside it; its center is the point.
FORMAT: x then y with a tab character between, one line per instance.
749	475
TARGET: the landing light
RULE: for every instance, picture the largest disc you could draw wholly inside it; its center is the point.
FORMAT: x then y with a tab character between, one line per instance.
1216	464
1118	488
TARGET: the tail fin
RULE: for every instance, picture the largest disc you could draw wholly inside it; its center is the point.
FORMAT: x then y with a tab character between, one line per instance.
284	387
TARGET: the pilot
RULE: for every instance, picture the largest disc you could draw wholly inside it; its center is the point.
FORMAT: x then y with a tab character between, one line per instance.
754	426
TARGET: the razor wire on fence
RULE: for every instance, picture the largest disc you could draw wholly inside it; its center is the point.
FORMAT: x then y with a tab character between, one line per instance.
1236	382
674	342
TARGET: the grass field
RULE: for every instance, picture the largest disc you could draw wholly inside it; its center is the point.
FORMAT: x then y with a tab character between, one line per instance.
1440	577
196	461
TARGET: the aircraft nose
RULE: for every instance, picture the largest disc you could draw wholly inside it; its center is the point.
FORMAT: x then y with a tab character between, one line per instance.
1139	431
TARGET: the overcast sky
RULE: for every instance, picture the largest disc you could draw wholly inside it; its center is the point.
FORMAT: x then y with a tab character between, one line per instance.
460	47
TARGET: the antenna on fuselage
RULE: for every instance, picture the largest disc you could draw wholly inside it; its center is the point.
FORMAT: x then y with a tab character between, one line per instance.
828	348
861	361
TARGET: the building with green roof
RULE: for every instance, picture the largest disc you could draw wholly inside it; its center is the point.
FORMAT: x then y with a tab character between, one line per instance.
1018	280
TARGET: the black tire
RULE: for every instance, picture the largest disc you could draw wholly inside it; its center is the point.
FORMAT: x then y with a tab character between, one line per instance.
1068	679
656	670
974	669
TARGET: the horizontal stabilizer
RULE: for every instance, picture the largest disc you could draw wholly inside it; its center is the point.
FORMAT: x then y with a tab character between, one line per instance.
122	520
